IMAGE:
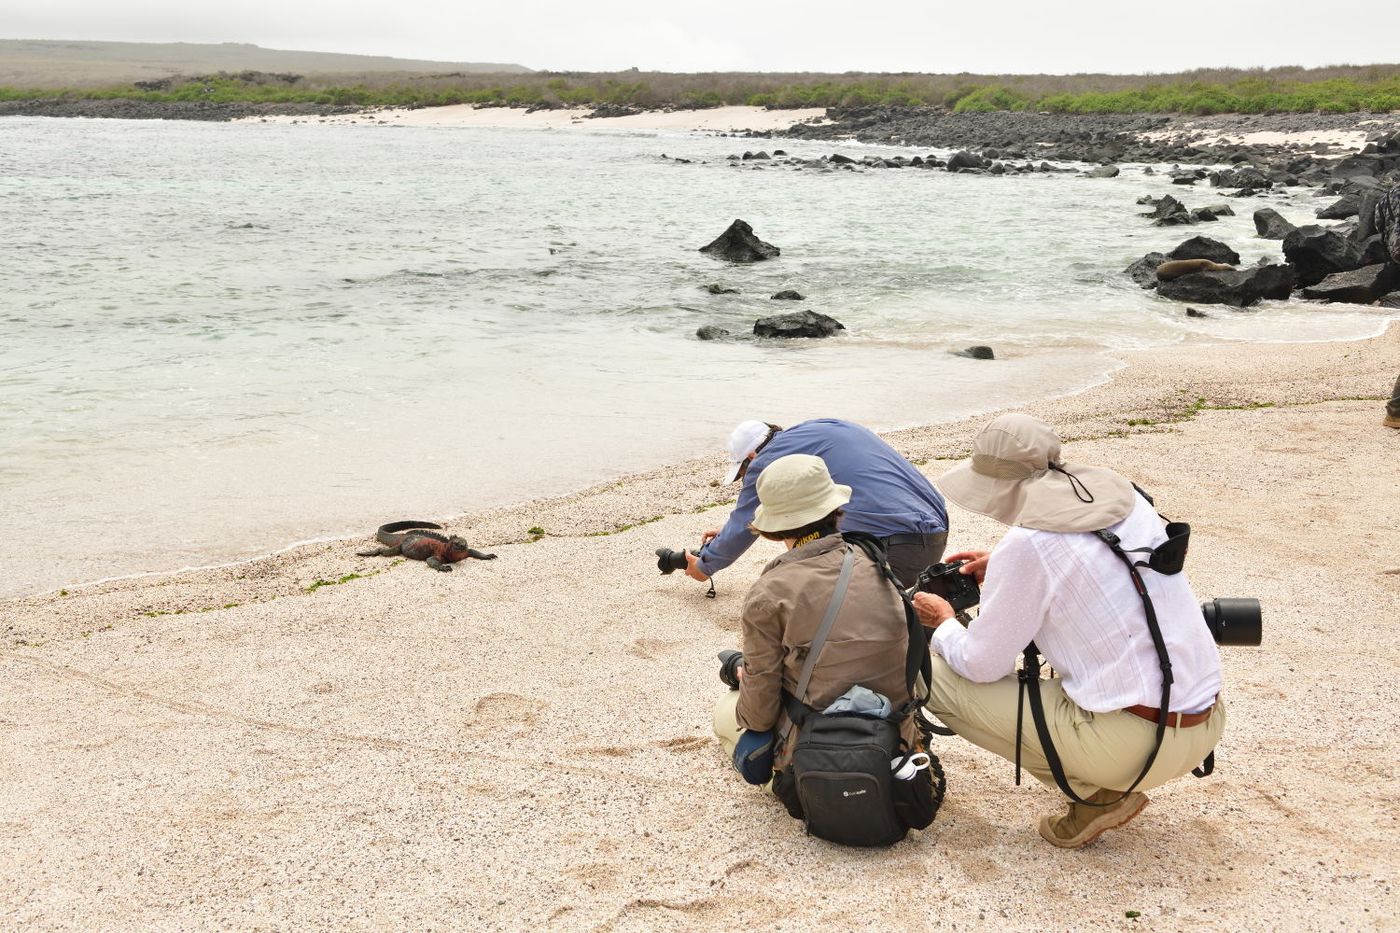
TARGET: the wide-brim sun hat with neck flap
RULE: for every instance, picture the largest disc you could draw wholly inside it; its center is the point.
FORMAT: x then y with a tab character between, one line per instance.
795	491
1016	477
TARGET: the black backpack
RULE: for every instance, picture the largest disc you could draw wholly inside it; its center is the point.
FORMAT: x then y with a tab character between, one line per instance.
840	781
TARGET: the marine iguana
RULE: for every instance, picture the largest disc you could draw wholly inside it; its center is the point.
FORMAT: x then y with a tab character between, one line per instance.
409	539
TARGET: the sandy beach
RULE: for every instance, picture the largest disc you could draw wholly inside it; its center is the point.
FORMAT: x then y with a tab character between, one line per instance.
323	741
713	120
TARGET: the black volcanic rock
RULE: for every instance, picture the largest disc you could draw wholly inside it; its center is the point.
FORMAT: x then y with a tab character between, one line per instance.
981	351
711	332
1245	176
1166	208
962	160
1318	252
788	294
1203	247
1271	224
1359	286
1144	271
797	324
1347	206
1239	288
738	244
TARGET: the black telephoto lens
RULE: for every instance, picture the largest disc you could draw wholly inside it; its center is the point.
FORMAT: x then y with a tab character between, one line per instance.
728	662
669	561
1234	621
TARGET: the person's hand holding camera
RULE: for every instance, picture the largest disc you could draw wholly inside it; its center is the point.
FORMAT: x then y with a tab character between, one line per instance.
692	568
933	610
975	563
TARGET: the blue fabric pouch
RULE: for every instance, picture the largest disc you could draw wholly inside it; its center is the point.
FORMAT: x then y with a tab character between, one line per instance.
753	756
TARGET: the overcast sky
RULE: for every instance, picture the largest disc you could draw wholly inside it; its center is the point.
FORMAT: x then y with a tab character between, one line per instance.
989	36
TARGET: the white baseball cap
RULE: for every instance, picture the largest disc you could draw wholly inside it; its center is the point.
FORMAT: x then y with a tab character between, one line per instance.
743	440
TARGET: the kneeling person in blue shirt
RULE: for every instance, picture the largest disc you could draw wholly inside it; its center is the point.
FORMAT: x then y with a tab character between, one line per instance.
890	498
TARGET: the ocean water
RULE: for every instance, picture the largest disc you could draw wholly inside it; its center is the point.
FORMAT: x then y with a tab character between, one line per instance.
220	339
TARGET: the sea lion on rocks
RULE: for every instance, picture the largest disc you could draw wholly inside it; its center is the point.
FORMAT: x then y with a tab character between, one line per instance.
407	538
1176	268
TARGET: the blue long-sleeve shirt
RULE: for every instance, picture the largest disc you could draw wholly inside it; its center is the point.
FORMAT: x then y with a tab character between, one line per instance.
888	495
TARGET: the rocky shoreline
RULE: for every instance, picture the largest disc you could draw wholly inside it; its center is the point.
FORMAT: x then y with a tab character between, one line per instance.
1087	137
124	109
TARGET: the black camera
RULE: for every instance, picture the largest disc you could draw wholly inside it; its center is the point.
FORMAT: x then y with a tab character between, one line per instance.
729	660
669	561
946	580
1234	621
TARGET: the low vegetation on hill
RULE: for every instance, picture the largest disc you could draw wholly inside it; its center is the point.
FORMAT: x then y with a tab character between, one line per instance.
1342	89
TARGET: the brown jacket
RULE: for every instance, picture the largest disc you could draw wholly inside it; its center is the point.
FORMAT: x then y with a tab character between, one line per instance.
867	645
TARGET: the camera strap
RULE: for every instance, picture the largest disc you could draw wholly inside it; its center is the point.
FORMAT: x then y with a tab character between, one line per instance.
1029	687
918	661
797	705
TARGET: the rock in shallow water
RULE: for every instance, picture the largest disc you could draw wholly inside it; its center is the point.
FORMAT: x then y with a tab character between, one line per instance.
1241	288
798	324
1203	247
1103	171
1271	225
1359	286
1318	252
711	332
1348	205
1144	271
738	244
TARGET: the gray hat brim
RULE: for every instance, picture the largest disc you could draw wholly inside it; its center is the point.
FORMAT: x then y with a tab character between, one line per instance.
1046	500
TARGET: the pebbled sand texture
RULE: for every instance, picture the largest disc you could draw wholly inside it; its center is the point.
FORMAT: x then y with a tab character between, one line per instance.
525	743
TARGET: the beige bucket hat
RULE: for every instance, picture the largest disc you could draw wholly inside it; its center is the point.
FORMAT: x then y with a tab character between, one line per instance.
1015	476
794	491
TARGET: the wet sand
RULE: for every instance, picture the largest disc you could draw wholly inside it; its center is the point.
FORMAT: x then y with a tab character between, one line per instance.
525	743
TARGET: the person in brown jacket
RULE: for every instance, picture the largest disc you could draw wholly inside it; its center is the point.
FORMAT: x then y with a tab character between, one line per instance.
800	506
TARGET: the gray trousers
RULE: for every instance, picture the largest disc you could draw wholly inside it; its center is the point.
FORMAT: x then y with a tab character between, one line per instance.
907	560
1392	408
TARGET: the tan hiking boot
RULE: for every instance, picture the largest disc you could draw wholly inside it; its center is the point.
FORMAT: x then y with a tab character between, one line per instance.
1082	824
1391	421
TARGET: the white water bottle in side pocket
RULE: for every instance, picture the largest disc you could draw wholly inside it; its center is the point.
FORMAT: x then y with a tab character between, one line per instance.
911	766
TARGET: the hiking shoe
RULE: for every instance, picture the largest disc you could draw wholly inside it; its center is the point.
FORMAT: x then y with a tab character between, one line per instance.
1391	421
1081	824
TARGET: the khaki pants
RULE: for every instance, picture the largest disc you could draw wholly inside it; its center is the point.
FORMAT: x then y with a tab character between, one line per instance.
1098	750
727	728
726	722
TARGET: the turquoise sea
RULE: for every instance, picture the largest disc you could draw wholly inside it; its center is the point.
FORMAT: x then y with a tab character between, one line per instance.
217	340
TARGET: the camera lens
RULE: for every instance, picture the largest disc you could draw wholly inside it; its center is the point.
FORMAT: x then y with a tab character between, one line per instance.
728	661
669	561
1234	621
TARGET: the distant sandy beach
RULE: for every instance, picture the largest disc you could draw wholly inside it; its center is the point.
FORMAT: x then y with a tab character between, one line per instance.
714	120
1214	135
317	740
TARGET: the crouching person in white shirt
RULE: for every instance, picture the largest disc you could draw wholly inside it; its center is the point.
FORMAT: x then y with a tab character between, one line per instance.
1052	581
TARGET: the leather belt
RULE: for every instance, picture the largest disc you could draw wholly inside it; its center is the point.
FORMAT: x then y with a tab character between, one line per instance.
891	540
1174	720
